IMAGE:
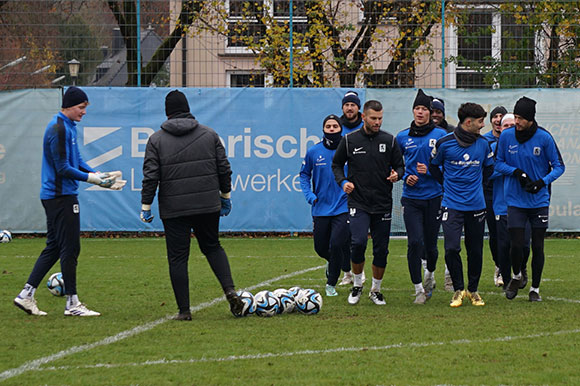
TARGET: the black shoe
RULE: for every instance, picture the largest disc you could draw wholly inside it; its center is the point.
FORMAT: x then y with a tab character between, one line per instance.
512	289
524	281
236	303
535	297
183	316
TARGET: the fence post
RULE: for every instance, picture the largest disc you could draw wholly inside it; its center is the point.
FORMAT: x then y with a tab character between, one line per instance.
138	43
291	64
442	43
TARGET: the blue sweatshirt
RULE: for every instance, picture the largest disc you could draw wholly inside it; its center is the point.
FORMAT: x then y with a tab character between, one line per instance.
497	181
538	157
462	172
62	164
418	149
316	167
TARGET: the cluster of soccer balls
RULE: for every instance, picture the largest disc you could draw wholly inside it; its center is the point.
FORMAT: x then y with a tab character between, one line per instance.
5	236
281	301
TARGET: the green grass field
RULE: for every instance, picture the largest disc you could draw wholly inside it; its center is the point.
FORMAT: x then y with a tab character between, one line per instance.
134	342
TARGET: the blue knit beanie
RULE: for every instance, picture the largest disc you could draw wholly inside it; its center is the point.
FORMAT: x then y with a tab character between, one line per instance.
74	96
351	96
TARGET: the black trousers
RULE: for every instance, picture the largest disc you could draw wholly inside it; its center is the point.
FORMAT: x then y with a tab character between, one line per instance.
503	247
380	227
330	235
492	231
178	240
422	222
472	222
62	242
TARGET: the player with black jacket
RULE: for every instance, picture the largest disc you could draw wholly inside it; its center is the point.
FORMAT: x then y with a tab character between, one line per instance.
374	164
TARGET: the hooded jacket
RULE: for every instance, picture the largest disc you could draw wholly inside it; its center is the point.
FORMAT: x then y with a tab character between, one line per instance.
188	163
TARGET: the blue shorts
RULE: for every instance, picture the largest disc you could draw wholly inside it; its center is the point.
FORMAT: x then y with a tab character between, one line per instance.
517	217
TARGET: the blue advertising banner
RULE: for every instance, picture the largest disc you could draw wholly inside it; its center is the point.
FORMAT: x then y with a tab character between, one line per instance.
266	132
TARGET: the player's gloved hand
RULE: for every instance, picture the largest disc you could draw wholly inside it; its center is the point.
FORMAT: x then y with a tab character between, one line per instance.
226	206
522	177
104	180
534	187
146	215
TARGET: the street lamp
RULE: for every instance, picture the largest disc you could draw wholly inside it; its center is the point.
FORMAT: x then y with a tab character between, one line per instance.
73	68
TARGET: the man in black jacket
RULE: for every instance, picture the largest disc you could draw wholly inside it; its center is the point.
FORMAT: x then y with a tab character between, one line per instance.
374	163
188	163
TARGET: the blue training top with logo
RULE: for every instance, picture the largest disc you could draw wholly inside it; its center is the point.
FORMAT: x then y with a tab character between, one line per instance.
418	149
331	199
462	172
538	157
62	164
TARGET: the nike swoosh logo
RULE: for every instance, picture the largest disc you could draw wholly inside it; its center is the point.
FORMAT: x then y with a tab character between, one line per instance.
358	148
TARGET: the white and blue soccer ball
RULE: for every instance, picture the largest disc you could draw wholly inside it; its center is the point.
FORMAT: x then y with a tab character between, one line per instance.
294	291
267	304
249	303
5	236
308	302
55	284
287	302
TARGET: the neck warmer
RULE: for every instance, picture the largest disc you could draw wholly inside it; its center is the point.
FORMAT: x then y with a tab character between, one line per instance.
523	136
464	137
350	125
420	131
331	141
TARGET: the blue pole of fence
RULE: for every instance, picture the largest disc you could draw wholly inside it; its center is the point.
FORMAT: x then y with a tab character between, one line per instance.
291	47
442	43
138	43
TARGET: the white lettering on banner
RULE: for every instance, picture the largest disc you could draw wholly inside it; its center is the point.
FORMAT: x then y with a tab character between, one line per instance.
2	177
137	140
267	182
280	146
568	209
2	151
133	188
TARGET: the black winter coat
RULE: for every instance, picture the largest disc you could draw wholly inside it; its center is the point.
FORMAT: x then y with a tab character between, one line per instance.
370	160
188	163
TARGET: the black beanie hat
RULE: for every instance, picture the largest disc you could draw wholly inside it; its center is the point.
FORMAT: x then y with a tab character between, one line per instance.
175	103
351	96
331	116
422	100
438	104
497	110
525	108
73	96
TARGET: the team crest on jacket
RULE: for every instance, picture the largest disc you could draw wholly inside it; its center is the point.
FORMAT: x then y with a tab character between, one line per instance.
537	151
382	147
466	156
432	142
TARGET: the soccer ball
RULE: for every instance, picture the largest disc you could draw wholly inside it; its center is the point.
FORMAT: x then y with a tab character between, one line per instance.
294	291
267	304
55	284
287	302
249	303
5	236
309	302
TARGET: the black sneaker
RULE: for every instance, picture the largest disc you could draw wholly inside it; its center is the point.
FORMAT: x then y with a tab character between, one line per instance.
535	297
524	282
183	316
512	289
236	303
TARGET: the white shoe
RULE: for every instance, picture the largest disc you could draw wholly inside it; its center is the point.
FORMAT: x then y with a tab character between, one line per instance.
420	298
80	310
330	290
425	273
28	305
346	279
354	296
377	298
497	279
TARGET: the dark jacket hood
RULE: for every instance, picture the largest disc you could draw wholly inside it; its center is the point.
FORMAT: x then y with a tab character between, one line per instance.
180	124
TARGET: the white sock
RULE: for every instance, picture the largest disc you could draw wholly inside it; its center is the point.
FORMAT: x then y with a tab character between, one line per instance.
446	270
357	279
429	274
419	288
27	292
536	290
72	301
376	285
518	276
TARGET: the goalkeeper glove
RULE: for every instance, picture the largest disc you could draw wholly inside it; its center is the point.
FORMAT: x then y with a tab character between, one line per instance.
522	177
534	187
104	180
146	213
226	206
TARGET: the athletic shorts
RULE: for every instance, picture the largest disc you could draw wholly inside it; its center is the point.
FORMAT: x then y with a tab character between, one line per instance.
517	217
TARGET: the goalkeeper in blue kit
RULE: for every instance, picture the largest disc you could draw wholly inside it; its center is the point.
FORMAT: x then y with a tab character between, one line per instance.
529	158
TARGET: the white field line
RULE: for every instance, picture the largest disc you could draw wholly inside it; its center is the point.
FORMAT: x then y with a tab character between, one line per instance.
231	358
36	363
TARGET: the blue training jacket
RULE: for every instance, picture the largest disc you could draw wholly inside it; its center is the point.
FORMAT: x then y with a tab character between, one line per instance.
316	167
462	172
538	157
62	164
497	180
418	149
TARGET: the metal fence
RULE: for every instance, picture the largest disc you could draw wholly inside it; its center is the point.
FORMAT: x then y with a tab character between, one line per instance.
289	43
